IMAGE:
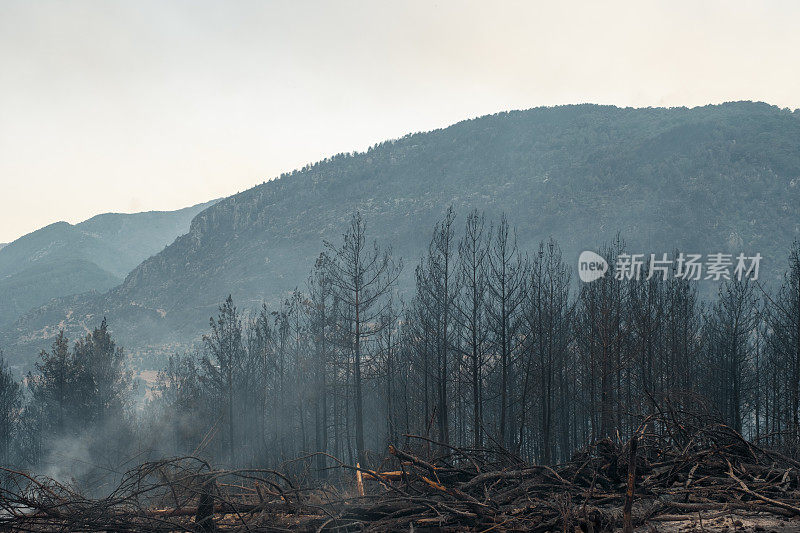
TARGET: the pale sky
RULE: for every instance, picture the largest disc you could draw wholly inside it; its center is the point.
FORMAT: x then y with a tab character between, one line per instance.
137	105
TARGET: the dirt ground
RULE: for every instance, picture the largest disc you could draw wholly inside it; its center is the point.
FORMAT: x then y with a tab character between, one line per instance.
727	522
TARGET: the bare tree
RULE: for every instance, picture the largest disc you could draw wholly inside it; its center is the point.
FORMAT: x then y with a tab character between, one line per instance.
731	328
548	315
471	310
10	404
506	293
784	343
223	362
361	276
436	289
320	318
601	334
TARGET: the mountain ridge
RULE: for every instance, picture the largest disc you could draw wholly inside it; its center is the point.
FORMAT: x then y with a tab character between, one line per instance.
711	178
62	258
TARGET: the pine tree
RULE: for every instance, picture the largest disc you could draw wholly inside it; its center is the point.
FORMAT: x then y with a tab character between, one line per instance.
10	406
361	276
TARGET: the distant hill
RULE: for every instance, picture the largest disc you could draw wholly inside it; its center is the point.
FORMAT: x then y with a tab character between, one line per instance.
95	255
709	179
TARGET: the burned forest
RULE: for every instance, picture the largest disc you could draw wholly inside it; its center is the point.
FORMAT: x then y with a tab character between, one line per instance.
500	394
399	266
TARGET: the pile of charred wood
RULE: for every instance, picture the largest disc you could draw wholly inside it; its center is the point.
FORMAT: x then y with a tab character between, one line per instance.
660	474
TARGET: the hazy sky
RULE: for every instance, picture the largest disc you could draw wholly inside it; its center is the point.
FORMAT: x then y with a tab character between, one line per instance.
132	106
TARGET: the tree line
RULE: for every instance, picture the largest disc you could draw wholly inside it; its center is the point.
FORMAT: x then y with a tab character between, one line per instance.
496	347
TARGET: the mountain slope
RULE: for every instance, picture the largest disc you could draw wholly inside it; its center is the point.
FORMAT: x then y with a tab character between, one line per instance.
712	179
62	259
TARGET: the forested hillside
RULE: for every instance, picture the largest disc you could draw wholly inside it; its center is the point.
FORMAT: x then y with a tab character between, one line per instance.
63	259
411	301
713	179
491	370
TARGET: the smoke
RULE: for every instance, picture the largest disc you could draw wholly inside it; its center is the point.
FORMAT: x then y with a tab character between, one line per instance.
91	461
